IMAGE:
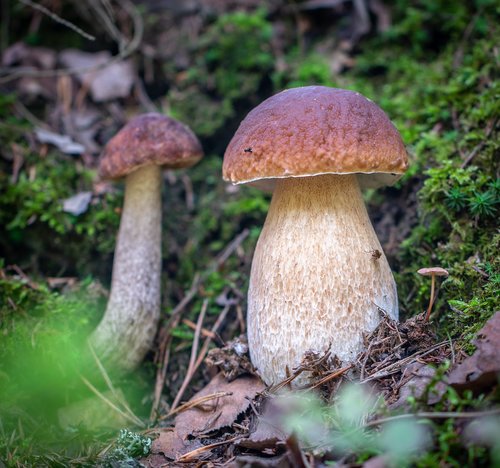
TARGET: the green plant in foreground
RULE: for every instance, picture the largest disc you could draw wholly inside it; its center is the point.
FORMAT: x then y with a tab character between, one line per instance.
483	204
403	440
341	427
456	199
128	446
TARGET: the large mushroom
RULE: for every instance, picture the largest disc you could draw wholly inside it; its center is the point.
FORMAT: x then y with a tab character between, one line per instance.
319	277
138	152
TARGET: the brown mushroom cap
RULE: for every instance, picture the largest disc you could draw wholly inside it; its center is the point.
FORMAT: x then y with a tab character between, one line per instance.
433	271
149	139
316	130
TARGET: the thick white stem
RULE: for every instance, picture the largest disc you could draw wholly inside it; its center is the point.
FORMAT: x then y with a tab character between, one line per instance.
128	327
315	281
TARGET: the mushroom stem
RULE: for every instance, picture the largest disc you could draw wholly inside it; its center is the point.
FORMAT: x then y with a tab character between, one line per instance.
128	327
312	284
431	300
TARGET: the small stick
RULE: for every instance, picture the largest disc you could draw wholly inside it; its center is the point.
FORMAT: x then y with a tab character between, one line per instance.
331	376
194	453
241	319
58	19
165	342
201	356
192	360
196	402
207	341
179	308
435	415
392	368
206	333
231	247
106	378
134	420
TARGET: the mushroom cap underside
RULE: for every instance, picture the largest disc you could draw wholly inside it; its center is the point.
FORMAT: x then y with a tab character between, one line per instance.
150	139
315	130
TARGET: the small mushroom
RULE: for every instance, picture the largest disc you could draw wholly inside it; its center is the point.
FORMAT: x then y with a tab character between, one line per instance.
432	272
138	152
314	283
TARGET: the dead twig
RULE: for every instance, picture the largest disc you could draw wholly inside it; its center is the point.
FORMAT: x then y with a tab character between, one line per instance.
434	415
396	366
133	420
196	402
164	348
230	248
187	457
192	360
331	376
110	385
207	341
206	333
126	50
58	19
489	129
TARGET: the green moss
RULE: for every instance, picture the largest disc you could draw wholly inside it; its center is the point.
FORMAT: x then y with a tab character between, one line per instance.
33	224
231	60
443	98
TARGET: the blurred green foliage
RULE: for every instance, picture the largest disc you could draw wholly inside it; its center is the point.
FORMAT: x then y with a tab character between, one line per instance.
32	221
43	343
232	59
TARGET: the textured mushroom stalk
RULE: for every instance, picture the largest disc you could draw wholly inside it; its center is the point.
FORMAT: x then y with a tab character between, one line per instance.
128	327
314	282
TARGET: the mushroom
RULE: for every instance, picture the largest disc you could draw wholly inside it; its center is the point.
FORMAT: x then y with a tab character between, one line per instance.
314	283
432	272
138	152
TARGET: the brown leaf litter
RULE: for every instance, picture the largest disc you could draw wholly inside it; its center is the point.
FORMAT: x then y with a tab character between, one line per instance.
397	353
232	360
219	412
238	424
480	370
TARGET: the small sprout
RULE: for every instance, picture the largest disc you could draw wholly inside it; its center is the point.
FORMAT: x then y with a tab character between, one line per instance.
495	186
134	444
128	446
456	199
483	204
432	272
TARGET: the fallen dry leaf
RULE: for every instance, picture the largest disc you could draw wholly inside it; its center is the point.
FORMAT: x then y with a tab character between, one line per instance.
77	204
480	370
21	54
113	81
222	411
380	461
63	142
170	445
249	461
416	377
268	432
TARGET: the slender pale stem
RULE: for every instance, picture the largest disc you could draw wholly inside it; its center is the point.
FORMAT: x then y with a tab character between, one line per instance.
128	327
431	300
